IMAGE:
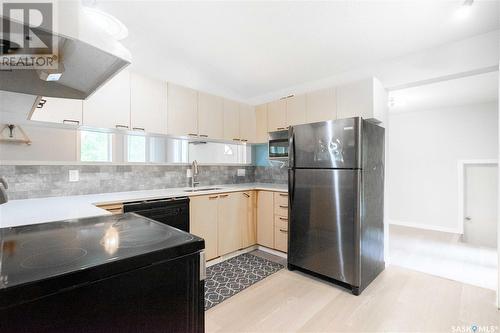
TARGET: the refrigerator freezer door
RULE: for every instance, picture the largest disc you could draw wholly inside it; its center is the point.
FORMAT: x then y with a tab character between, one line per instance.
323	222
329	144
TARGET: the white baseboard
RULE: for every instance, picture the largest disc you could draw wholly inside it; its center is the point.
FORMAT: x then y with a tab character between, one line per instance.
425	226
231	255
271	251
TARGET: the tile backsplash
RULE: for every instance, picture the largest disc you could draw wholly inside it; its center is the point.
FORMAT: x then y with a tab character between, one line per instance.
36	181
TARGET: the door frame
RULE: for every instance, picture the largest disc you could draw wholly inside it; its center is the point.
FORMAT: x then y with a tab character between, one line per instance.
462	164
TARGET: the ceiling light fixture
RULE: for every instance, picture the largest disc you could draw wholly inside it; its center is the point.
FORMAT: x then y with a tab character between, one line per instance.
464	11
110	24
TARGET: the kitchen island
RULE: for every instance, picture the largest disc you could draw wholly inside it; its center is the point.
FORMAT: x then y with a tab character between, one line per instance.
115	273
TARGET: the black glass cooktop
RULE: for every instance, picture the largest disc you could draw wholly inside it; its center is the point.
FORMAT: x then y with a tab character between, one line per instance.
37	252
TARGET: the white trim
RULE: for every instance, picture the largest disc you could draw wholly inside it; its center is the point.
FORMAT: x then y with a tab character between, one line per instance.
271	251
461	187
424	226
230	255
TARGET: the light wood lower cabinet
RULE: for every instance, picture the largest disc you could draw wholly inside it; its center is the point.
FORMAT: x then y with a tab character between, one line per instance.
203	222
226	221
265	219
231	218
116	208
249	226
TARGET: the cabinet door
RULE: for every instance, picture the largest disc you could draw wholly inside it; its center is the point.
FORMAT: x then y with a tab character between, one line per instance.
321	105
355	99
231	120
249	218
148	104
203	222
261	124
59	110
296	110
276	115
182	110
247	123
210	116
109	107
230	222
265	219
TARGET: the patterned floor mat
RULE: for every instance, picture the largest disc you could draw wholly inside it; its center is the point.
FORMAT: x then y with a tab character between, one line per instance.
232	276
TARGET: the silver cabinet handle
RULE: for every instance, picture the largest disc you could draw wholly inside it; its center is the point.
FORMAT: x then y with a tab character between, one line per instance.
246	195
213	197
203	266
138	129
283	219
224	195
283	195
283	230
121	126
203	135
236	139
192	134
243	140
282	206
65	121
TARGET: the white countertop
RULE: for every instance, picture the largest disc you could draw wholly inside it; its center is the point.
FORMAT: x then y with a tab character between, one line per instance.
40	210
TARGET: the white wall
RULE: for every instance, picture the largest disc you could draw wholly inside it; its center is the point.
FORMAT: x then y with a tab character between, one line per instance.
424	150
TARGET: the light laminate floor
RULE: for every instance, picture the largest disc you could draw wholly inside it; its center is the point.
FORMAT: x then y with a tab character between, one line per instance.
399	300
443	254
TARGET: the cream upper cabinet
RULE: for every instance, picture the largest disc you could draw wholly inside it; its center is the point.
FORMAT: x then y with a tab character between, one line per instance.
203	222
59	110
148	104
296	110
261	123
210	116
247	123
249	218
231	218
231	120
109	106
276	115
265	219
366	98
182	110
321	105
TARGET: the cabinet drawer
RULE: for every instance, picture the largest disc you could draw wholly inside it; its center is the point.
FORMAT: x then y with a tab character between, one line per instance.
280	239
281	210
281	222
281	199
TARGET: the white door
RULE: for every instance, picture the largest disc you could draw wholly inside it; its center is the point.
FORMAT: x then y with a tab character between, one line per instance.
480	219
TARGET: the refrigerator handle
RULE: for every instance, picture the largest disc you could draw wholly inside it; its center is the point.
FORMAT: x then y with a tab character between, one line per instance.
291	148
291	187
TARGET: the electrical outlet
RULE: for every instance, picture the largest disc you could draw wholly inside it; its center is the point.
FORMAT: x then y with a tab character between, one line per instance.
74	175
189	173
241	172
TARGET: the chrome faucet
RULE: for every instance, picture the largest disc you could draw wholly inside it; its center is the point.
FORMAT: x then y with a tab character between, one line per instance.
3	193
194	174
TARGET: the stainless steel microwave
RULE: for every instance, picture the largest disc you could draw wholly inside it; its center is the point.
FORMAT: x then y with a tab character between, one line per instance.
278	145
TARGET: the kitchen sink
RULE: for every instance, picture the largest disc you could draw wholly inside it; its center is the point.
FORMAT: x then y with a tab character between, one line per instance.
203	189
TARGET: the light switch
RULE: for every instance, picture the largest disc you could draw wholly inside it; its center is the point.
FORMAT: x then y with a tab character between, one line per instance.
189	173
241	172
74	175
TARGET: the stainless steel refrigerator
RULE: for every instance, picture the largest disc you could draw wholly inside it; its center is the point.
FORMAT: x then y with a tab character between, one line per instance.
336	201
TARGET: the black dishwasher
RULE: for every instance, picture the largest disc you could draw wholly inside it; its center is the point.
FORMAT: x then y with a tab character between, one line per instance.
173	211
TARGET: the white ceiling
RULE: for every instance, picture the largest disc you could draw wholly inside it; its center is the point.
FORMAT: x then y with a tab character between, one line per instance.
475	89
243	50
